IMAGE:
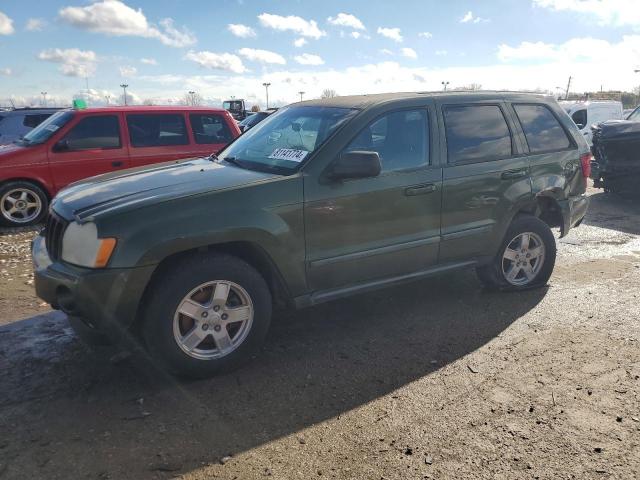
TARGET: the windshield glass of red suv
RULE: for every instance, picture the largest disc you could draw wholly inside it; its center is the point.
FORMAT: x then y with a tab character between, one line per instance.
282	141
51	125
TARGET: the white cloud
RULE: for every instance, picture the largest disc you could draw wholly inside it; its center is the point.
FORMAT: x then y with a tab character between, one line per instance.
302	27
113	17
73	61
442	53
470	18
7	72
242	31
392	33
218	61
606	12
408	52
300	42
576	50
35	24
355	35
149	61
386	51
6	25
128	71
425	35
346	20
309	59
262	56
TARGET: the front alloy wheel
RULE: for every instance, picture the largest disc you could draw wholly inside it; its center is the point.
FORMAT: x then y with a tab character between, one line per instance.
213	319
20	206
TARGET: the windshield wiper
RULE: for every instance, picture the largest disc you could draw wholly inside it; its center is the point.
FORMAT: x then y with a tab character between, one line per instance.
235	161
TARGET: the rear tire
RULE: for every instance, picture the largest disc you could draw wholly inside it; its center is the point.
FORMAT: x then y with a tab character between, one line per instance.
206	314
525	259
22	204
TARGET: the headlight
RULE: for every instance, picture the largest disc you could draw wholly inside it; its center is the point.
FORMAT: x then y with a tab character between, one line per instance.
81	246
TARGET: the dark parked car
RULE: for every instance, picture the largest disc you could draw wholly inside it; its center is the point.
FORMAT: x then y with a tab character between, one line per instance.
75	144
14	124
326	199
254	119
616	151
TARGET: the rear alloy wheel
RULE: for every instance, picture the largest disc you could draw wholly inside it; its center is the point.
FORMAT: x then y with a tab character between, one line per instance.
525	259
206	313
22	204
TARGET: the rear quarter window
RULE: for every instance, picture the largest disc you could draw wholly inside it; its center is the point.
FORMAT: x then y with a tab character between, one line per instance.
476	133
542	129
210	128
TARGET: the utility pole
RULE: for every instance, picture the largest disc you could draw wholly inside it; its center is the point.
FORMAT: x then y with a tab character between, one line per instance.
301	94
124	87
44	98
266	87
445	84
566	95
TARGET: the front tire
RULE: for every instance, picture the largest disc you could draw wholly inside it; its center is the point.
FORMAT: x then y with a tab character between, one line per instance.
526	257
207	314
22	204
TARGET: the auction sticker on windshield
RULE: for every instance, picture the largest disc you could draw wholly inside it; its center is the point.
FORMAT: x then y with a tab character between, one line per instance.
288	154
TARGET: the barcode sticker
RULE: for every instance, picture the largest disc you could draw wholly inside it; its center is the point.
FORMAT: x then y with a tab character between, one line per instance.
288	154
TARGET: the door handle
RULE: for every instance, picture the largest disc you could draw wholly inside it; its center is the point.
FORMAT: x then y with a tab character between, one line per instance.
420	189
116	164
513	174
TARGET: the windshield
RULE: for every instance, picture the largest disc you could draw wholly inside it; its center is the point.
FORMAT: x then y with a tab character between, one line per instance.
46	129
232	105
282	141
635	115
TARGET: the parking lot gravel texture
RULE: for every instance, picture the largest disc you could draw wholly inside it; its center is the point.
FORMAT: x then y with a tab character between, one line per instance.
437	379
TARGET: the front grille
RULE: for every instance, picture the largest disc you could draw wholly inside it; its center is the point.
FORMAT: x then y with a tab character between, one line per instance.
53	232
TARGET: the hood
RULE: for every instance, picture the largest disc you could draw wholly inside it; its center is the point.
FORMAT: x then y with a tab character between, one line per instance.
616	130
133	188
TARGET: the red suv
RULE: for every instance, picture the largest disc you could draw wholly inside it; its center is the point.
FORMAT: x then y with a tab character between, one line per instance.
75	144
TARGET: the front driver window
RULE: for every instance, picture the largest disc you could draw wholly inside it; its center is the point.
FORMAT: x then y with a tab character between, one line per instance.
400	138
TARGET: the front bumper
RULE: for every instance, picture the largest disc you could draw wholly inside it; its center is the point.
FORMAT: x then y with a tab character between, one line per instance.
573	211
107	299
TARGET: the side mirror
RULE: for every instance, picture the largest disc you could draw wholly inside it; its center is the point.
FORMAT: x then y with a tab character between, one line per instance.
61	146
356	164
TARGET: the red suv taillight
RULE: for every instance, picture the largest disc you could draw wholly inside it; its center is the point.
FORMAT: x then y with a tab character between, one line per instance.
585	161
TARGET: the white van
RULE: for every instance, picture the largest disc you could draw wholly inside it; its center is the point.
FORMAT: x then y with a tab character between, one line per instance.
587	113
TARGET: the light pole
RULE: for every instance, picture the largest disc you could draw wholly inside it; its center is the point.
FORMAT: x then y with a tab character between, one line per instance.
108	99
266	87
444	85
44	98
124	87
301	93
192	94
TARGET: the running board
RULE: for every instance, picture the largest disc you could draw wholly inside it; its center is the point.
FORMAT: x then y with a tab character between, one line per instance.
333	294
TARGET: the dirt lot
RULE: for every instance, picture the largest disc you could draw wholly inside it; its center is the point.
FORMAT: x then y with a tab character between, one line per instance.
437	379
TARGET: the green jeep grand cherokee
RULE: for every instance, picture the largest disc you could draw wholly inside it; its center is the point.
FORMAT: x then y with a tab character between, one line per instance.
323	199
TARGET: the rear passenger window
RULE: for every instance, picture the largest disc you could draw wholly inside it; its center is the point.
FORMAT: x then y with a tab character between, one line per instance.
153	130
541	128
400	138
209	128
95	132
476	133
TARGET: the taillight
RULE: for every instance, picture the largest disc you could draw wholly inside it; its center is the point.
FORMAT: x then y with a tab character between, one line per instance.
585	161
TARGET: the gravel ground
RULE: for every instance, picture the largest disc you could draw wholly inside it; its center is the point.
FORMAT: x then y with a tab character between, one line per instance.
437	379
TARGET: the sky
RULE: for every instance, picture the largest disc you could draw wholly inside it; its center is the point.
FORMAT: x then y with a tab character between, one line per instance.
225	48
